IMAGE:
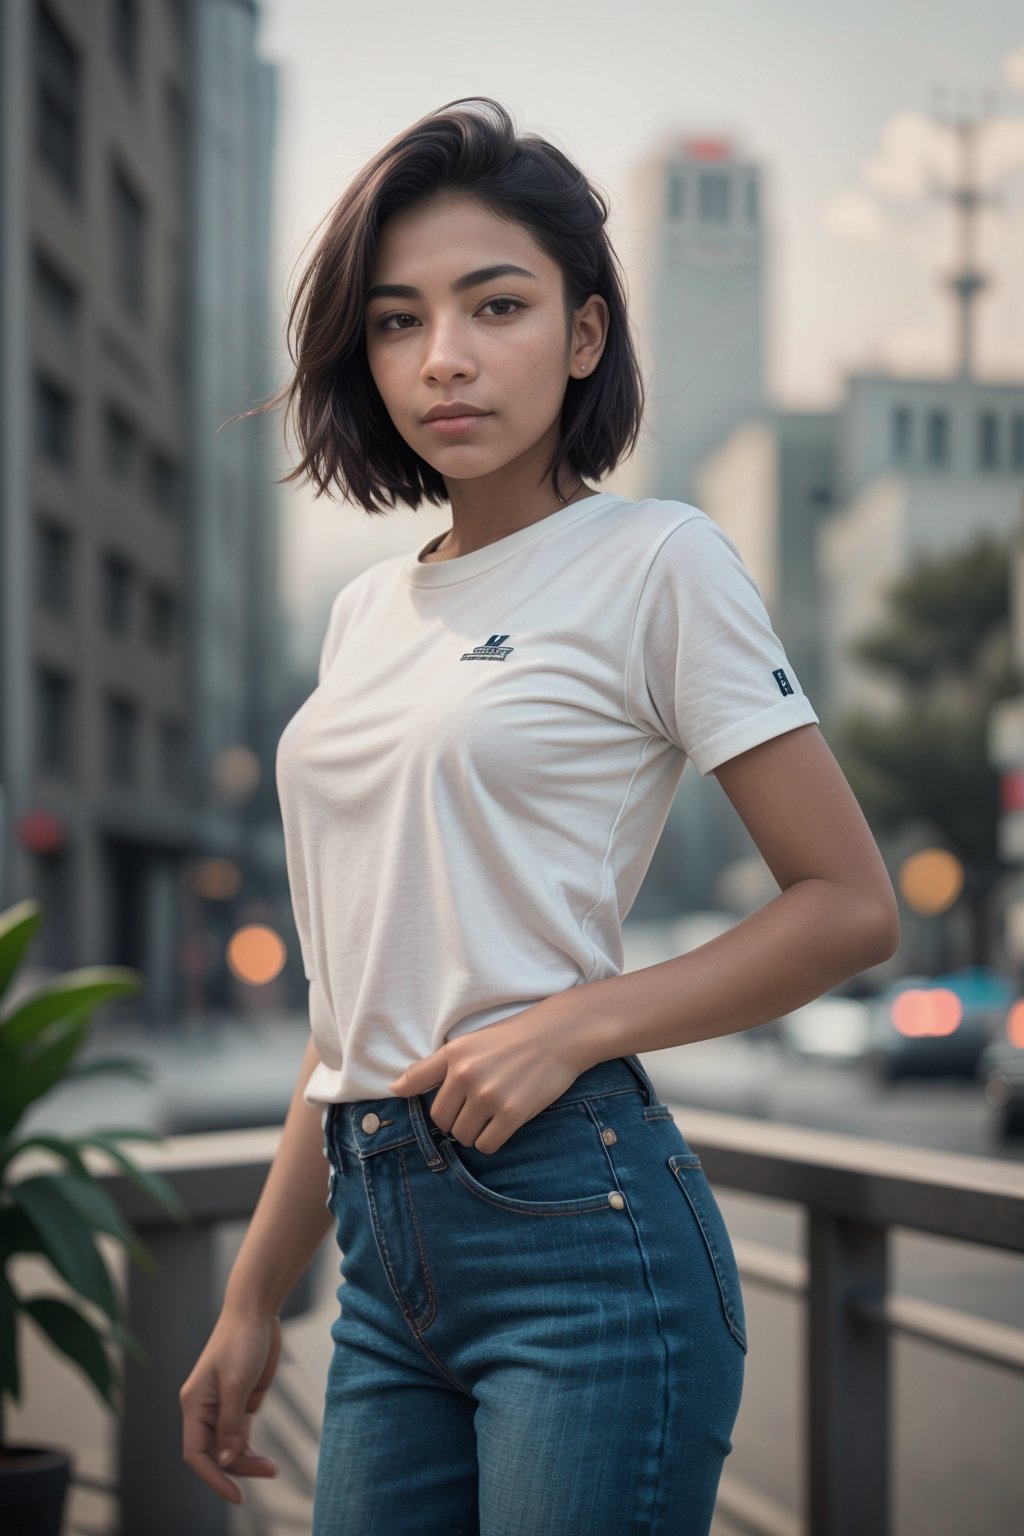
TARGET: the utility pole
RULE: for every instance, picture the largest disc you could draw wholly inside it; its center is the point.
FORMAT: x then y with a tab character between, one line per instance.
966	281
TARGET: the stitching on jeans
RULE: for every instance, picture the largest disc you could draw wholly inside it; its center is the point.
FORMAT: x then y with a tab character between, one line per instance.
431	1300
735	1327
395	1289
585	1206
645	1266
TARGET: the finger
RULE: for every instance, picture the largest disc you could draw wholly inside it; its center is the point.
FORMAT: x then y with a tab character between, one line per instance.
250	1463
234	1418
197	1443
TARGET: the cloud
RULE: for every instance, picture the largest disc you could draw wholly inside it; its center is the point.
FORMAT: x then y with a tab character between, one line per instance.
916	157
1011	69
854	216
912	150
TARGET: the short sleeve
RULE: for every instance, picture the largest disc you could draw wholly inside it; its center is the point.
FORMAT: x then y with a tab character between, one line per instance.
332	637
706	669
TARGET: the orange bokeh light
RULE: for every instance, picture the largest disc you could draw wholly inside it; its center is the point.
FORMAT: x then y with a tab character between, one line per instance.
923	1011
930	881
1015	1024
256	954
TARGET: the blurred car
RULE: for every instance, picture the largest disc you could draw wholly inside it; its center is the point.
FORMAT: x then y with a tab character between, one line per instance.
1001	1072
938	1025
832	1027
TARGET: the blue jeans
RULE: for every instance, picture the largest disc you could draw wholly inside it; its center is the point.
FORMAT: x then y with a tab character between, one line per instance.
545	1340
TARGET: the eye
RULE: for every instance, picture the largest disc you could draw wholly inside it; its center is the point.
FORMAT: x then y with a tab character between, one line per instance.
516	304
385	323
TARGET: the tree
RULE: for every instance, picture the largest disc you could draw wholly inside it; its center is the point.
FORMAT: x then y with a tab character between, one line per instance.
946	644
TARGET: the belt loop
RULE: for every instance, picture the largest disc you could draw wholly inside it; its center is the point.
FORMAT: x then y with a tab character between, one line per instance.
640	1072
431	1152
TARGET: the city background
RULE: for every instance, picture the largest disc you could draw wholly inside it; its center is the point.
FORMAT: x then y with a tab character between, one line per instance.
820	218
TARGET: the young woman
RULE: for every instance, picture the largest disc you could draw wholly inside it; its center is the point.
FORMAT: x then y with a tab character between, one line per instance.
541	1326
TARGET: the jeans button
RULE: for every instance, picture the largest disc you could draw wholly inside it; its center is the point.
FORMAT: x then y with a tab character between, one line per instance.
616	1199
370	1122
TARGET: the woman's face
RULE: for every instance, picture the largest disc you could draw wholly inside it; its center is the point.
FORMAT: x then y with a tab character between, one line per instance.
500	343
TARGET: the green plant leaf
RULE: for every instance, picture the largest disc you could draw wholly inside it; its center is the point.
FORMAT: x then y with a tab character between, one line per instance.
9	1150
119	1334
75	1337
18	927
73	993
130	1133
91	1200
10	1376
152	1183
68	1241
26	1079
129	1066
17	1234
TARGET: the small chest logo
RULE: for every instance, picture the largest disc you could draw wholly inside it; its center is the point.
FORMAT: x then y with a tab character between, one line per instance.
785	686
494	650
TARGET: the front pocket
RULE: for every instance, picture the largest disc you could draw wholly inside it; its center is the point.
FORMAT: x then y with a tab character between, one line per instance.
558	1154
694	1183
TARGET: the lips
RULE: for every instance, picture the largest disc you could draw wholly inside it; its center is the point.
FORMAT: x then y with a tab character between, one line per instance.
457	408
455	426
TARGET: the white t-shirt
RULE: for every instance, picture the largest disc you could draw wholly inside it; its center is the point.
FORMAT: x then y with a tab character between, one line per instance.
474	791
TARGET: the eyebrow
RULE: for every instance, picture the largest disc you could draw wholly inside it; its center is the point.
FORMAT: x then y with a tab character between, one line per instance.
470	280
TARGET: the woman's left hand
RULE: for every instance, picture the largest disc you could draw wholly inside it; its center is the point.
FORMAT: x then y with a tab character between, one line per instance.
497	1077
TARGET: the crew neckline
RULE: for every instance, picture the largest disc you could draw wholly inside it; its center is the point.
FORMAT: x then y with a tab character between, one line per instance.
444	573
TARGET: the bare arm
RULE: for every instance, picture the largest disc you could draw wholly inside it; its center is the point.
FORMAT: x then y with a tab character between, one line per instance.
291	1219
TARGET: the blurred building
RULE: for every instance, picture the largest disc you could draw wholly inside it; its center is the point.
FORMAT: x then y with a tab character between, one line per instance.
829	508
702	203
140	627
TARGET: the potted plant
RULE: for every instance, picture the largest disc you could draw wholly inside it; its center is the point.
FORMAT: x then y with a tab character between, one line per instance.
58	1214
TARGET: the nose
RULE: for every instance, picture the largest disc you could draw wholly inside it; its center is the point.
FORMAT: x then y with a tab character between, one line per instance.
447	354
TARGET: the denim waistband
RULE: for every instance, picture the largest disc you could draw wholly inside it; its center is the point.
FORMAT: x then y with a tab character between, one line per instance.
366	1126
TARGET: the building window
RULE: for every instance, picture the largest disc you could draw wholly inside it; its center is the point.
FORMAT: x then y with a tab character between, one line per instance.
174	132
122	723
58	100
55	422
937	447
901	433
1017	441
160	618
56	298
120	444
116	593
176	8
53	569
988	440
128	236
163	482
713	197
124	35
176	338
55	723
676	195
171	753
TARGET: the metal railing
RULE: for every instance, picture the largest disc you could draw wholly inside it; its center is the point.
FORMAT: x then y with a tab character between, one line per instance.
854	1191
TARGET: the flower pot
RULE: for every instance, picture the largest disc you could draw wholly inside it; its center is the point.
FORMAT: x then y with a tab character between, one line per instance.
33	1486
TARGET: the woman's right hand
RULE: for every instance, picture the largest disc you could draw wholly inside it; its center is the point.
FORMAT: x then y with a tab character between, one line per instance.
224	1389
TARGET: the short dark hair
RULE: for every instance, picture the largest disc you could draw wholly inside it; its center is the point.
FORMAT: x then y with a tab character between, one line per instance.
346	435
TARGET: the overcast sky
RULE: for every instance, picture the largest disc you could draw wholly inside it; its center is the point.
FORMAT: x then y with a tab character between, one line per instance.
836	103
